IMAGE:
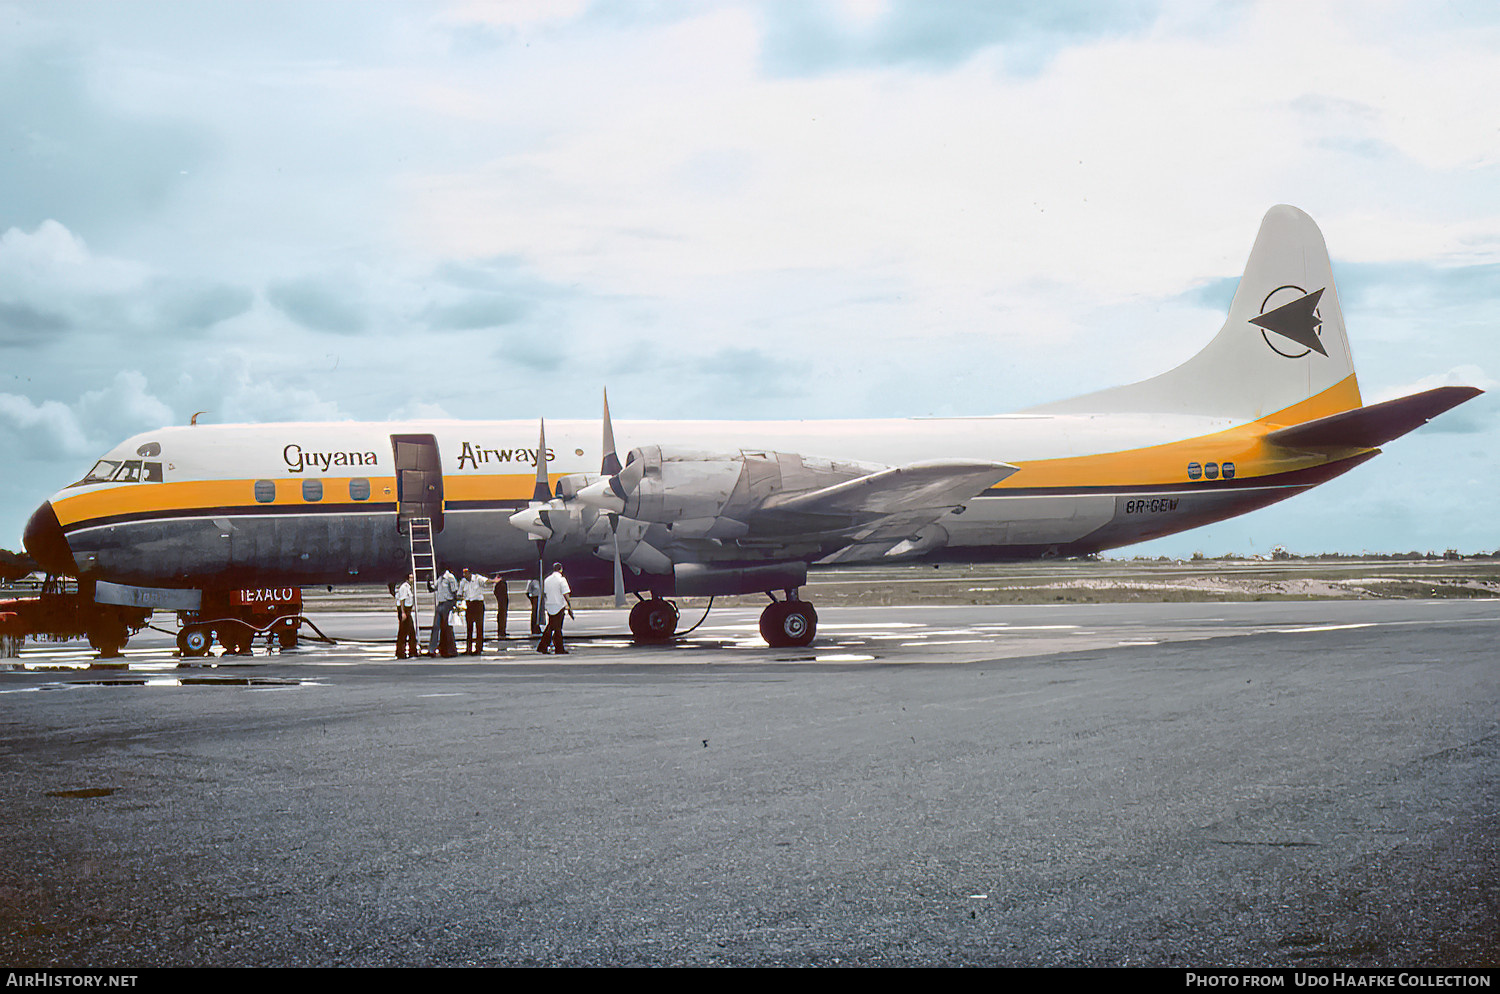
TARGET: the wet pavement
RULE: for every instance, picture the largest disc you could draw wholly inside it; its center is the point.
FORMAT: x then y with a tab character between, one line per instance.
1290	784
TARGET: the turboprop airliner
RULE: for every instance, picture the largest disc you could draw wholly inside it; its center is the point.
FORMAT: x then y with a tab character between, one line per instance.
1269	408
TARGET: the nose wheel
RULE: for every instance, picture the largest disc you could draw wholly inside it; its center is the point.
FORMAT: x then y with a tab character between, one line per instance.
788	623
653	620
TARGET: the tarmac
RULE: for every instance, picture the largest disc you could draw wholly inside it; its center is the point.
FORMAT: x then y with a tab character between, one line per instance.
1282	784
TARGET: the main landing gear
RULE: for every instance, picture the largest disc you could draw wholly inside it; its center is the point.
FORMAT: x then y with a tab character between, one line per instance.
788	623
784	624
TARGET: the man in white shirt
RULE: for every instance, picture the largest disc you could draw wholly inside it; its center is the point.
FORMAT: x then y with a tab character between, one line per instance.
556	598
406	619
471	589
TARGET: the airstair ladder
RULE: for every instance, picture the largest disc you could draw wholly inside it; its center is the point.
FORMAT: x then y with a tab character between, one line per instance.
423	564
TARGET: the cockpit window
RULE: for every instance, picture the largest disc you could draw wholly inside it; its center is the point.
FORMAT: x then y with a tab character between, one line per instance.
102	471
122	471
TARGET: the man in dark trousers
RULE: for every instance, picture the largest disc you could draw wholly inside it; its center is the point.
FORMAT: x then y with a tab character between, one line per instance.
406	621
441	640
556	599
471	589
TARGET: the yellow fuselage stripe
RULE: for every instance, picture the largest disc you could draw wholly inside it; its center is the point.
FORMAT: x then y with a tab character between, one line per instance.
1167	464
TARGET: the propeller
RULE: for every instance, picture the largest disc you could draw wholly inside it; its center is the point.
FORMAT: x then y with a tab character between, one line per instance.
548	517
609	467
611	493
536	518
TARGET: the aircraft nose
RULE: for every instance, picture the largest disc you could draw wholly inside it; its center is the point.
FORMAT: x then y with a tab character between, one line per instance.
47	544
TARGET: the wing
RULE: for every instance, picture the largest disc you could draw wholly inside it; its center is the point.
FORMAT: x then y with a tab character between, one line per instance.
893	512
785	506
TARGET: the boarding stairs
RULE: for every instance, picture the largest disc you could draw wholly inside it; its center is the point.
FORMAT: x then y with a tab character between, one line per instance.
423	564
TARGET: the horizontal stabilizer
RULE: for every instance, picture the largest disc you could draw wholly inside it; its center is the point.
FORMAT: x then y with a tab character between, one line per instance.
918	486
1368	427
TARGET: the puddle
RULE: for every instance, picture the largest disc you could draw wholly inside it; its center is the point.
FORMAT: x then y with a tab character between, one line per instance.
194	681
82	792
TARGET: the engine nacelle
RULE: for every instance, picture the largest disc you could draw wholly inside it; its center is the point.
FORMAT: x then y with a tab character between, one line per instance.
667	485
708	494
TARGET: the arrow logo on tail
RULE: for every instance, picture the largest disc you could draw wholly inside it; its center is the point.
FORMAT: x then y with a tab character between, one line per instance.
1297	321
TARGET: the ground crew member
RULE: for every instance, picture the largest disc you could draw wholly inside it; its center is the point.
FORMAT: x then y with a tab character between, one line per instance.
471	588
534	594
441	640
406	619
557	597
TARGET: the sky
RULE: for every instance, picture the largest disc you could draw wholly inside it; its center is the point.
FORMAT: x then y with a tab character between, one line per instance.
720	209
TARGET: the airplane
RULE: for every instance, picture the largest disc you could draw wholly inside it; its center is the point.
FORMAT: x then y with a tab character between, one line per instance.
1268	409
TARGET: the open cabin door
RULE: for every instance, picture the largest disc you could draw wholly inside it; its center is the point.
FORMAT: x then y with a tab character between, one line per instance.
419	480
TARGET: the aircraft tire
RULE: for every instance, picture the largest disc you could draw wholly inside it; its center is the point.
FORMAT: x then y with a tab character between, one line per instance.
654	620
194	640
785	624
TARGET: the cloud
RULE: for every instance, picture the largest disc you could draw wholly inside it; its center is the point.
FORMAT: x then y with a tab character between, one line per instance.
812	39
121	409
95	421
48	428
324	303
52	284
236	385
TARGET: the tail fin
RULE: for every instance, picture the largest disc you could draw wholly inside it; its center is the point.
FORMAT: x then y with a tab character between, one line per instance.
1284	341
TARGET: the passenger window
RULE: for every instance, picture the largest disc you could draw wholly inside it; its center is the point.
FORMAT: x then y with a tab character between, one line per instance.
312	490
265	491
359	488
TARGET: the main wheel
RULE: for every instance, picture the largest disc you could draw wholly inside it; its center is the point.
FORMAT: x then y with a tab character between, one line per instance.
788	623
653	621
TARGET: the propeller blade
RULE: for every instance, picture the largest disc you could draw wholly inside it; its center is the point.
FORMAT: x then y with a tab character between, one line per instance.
541	579
543	490
611	462
614	527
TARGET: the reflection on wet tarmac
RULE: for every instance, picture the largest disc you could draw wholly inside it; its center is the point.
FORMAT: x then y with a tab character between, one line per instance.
846	636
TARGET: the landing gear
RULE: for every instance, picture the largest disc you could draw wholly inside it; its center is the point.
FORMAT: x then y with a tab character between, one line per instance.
654	620
788	623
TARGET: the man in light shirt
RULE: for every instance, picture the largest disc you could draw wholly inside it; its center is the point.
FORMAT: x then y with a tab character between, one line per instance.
406	619
471	589
556	598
